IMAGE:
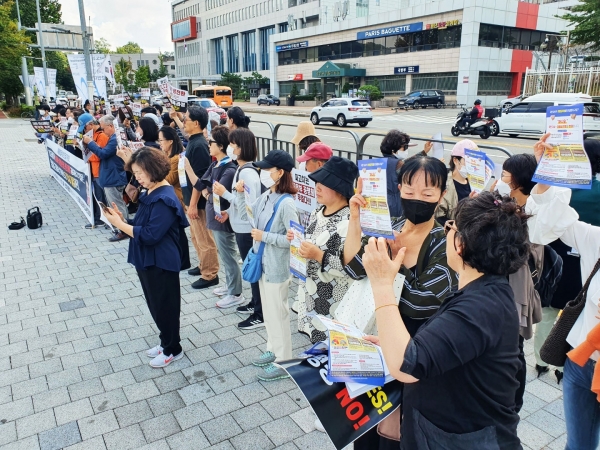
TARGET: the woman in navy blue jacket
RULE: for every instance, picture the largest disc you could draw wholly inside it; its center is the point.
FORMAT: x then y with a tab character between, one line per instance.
154	248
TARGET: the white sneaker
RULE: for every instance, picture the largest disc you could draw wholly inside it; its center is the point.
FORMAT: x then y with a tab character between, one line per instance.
154	351
319	426
221	291
231	300
163	360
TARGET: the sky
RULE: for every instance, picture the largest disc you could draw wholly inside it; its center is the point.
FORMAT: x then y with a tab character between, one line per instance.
146	22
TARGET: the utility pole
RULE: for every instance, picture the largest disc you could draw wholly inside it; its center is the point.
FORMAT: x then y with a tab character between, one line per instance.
39	17
86	52
24	72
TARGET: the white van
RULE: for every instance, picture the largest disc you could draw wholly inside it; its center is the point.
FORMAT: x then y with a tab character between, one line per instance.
529	116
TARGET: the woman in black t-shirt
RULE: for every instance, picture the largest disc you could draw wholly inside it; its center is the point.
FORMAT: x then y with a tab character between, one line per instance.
460	368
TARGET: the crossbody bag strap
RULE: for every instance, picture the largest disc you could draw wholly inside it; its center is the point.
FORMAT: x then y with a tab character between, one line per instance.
584	289
261	248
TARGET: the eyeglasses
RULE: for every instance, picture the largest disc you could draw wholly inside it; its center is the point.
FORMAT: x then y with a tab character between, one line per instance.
211	142
450	225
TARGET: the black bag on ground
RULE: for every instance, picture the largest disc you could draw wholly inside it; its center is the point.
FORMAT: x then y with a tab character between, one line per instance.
546	282
34	218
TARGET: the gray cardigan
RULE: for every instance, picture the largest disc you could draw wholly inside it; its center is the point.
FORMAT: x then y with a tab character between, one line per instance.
276	256
237	205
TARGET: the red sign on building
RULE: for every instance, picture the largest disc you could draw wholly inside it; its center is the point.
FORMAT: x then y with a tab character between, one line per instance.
184	29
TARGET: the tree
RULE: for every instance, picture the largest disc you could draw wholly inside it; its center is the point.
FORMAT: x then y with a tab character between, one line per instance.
142	77
130	48
162	69
370	92
102	46
13	45
64	77
585	15
124	73
233	80
50	12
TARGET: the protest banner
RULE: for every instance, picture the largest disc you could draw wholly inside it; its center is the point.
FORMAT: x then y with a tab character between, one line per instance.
345	419
566	164
163	85
179	99
145	93
375	217
136	108
73	174
306	198
71	135
297	262
42	126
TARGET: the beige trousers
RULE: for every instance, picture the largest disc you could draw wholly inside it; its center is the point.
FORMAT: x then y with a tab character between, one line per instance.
205	246
276	313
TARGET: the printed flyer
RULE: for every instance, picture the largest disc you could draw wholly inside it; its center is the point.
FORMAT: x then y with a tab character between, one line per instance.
567	164
42	126
181	170
480	169
306	198
179	100
297	262
136	109
217	205
375	218
71	135
249	211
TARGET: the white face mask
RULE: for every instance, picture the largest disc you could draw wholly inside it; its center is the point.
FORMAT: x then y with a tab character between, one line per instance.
138	136
502	188
402	154
265	179
463	172
230	153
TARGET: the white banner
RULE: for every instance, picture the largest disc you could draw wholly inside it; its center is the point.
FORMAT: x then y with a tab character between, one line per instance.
99	75
77	65
40	82
73	175
31	81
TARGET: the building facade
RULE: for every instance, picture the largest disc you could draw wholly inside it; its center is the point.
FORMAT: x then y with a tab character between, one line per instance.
467	48
146	59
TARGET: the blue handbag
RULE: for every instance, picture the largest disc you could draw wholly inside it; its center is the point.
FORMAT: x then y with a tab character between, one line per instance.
252	268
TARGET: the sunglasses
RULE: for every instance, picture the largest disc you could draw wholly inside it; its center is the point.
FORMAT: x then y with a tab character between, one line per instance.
450	225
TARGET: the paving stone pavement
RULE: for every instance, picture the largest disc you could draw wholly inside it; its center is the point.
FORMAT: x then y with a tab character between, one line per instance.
74	326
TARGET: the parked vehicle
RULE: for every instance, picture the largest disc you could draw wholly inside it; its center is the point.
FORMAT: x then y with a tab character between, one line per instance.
480	127
221	95
268	99
529	116
422	99
342	111
61	93
158	100
209	105
508	103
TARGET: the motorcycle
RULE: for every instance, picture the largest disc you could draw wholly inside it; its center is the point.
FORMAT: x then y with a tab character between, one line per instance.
480	128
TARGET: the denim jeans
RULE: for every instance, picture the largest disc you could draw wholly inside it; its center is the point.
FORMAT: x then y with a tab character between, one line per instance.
226	244
582	410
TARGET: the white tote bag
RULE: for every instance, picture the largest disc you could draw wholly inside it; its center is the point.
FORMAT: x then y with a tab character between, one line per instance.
357	308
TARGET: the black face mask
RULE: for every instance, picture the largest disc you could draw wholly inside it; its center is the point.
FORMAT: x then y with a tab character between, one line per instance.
418	211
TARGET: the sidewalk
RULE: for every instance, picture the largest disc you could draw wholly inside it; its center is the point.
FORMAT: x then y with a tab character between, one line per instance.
74	327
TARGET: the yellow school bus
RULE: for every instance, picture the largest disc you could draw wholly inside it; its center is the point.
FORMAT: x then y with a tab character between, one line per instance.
221	95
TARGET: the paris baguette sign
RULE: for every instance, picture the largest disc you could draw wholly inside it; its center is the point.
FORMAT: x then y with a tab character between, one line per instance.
390	31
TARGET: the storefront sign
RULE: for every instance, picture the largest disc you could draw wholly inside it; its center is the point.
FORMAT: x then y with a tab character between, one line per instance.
296	77
465	79
295	45
442	25
406	69
390	31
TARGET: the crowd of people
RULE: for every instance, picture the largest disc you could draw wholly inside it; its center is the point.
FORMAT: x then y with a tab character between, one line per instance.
455	336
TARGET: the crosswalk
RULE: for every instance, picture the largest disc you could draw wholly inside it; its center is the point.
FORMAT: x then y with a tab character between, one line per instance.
418	118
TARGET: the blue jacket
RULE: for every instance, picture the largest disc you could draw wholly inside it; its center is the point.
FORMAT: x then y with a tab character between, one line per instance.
156	231
111	166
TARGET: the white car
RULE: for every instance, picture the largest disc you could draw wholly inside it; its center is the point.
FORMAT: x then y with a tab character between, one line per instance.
529	116
158	100
510	102
342	111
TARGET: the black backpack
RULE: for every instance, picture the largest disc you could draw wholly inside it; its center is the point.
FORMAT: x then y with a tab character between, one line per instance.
237	177
546	283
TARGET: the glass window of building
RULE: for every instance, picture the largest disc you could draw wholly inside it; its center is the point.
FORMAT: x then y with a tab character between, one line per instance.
233	55
219	62
389	85
249	51
283	27
264	47
494	83
362	8
445	81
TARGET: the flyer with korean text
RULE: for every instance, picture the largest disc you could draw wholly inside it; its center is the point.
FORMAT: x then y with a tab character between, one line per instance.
297	262
136	109
42	126
566	164
179	99
375	217
306	198
181	170
480	169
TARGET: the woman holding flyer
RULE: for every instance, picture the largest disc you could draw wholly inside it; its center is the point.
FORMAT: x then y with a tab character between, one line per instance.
273	211
325	280
171	145
222	171
242	148
459	368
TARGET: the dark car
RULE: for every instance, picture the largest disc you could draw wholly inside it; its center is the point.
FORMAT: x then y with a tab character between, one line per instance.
422	99
268	99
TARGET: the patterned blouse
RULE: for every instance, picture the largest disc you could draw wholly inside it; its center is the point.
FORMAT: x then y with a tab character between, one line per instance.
326	281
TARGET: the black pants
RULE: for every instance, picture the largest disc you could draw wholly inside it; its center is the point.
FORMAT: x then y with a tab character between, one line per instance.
99	193
244	243
521	377
162	292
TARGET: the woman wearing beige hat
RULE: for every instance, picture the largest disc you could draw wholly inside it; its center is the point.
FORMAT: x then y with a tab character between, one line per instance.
305	136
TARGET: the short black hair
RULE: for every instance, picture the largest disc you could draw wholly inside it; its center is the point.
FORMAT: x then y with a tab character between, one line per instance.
148	110
220	135
436	173
246	141
166	119
158	107
521	168
62	112
45	107
149	129
493	233
307	141
240	119
393	141
592	148
198	114
152	161
170	134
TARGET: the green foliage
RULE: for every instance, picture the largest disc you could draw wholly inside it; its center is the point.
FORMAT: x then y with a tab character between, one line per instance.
305	97
102	46
373	92
233	80
124	73
50	12
64	77
12	47
16	111
294	91
142	77
162	69
345	88
130	47
585	15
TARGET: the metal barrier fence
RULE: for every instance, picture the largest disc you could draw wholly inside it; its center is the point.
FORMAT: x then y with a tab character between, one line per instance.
266	144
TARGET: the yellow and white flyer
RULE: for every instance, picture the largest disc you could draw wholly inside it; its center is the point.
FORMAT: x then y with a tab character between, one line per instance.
375	217
297	262
480	169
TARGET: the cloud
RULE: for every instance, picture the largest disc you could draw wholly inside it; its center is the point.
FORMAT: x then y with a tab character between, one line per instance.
146	22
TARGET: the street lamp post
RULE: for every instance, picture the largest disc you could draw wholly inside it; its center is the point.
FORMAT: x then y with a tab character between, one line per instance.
86	52
39	17
24	72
